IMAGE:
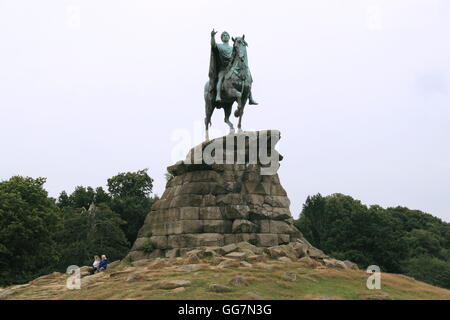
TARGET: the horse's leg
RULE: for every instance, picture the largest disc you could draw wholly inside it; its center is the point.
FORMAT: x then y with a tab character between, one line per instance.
241	105
227	111
209	109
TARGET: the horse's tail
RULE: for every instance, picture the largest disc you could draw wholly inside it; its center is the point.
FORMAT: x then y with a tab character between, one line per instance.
208	102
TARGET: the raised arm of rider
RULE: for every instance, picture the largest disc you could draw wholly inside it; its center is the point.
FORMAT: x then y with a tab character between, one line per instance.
213	40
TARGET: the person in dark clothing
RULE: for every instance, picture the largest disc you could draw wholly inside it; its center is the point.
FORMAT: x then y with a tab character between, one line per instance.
103	264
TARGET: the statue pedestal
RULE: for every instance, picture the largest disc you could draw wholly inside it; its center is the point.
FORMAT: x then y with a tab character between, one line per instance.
218	202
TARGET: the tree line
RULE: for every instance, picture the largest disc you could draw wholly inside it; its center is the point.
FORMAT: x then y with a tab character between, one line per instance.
398	240
40	234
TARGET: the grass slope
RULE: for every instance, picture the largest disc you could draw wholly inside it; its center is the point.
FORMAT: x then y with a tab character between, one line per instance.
265	281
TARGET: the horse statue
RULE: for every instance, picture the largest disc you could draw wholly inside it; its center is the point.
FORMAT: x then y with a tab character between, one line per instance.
236	87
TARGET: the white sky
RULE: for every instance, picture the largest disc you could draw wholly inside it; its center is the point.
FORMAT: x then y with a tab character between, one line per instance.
359	90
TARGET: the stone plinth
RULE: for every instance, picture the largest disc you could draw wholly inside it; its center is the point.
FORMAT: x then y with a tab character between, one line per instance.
215	204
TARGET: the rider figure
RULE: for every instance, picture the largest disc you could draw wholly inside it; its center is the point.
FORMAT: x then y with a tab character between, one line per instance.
225	53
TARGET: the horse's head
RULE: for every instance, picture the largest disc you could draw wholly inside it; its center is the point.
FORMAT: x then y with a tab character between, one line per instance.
239	45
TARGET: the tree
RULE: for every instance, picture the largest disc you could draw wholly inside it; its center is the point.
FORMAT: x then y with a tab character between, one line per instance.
429	269
396	239
83	197
131	184
28	224
131	199
88	233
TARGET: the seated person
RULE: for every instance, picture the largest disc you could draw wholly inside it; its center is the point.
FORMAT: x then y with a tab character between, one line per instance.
95	265
103	264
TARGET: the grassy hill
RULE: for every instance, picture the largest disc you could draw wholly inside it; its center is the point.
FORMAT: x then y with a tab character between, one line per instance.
223	279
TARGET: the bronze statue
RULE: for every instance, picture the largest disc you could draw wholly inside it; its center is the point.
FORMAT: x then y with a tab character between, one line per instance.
229	79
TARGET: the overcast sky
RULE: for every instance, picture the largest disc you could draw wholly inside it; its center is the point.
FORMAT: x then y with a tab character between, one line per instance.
359	90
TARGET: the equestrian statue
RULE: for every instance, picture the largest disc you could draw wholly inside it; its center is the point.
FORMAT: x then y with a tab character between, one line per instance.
230	79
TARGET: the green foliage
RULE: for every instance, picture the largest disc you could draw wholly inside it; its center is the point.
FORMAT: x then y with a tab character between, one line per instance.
429	269
28	222
390	238
133	210
88	233
128	196
131	184
38	235
148	247
83	197
131	199
169	176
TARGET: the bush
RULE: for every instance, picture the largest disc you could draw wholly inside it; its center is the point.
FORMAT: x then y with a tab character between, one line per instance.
396	239
148	247
429	269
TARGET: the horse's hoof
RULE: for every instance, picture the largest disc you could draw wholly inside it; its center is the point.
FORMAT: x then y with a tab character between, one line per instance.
231	131
239	130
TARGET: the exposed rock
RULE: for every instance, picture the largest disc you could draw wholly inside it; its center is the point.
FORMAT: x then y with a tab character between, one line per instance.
309	262
290	276
197	253
229	248
333	263
316	253
95	278
134	277
351	265
178	290
246	264
172	253
256	258
244	226
170	284
218	204
284	259
236	255
85	271
248	246
267	239
216	260
228	263
218	288
265	266
189	268
239	281
213	252
192	259
236	209
6	293
47	277
301	249
19	286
